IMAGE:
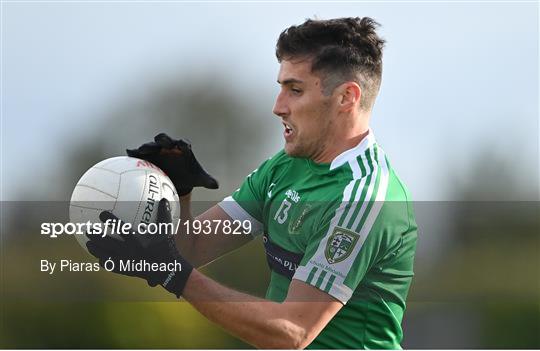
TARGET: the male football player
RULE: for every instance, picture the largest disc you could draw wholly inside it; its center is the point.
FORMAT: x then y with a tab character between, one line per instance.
337	223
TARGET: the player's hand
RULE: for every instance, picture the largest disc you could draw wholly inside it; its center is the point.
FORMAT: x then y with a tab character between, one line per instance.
177	160
155	249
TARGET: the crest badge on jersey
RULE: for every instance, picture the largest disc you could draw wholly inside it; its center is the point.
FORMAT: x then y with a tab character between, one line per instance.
340	245
296	224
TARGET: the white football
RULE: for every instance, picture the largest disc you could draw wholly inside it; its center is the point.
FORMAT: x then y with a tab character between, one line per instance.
129	187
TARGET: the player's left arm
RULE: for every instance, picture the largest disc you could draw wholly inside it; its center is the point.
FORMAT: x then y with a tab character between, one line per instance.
292	324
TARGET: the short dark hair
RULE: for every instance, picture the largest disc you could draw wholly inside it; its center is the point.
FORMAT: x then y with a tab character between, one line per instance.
341	49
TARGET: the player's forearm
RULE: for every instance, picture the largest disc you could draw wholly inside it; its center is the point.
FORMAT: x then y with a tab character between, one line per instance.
202	247
189	244
261	323
185	242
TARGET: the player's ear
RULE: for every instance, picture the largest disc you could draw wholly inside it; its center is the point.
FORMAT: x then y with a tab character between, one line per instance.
350	95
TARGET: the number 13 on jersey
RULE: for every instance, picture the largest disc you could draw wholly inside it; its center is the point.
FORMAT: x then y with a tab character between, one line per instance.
282	212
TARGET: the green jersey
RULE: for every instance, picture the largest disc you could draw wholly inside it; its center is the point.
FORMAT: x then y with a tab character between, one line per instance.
346	228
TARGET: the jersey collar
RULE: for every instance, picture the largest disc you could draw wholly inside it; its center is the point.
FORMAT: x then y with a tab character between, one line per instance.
351	154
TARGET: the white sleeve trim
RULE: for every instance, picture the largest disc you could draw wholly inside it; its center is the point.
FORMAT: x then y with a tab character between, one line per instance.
236	212
337	290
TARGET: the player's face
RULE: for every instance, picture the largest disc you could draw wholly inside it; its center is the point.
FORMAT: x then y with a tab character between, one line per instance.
306	113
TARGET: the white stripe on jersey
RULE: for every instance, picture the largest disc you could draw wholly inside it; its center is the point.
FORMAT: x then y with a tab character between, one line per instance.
370	190
338	289
354	165
236	212
345	265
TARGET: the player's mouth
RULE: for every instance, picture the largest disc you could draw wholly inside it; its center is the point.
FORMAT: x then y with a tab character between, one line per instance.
288	132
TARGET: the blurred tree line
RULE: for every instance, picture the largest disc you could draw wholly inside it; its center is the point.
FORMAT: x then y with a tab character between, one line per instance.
229	139
483	290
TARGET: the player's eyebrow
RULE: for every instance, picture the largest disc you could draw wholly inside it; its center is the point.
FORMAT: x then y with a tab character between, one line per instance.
290	81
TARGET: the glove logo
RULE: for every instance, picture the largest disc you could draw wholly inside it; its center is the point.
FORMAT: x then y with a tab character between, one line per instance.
169	277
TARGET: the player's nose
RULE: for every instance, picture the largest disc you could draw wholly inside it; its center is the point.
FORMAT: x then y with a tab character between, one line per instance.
280	106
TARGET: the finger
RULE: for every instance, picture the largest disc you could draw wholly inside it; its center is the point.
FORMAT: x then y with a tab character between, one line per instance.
98	252
105	216
89	236
104	256
109	243
99	238
164	211
183	190
183	144
144	150
200	176
164	141
152	283
206	180
133	153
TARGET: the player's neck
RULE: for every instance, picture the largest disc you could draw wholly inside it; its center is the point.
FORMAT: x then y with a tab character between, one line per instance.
343	140
333	150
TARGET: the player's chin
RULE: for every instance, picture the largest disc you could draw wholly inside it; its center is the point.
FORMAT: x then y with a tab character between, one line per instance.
289	149
292	150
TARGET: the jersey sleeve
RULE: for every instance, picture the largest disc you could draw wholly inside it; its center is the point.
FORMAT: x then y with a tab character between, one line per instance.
345	244
247	202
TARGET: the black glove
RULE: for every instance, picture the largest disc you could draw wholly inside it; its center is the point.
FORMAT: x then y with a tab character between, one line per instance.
158	250
177	160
